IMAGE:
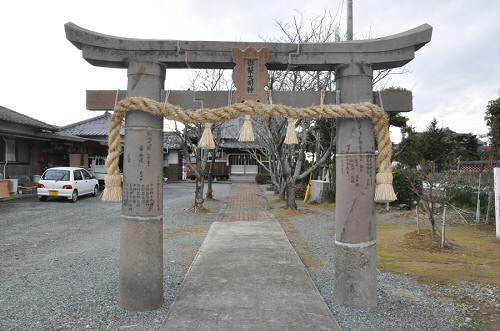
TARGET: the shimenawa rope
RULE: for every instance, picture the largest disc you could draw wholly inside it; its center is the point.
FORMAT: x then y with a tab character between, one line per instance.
384	191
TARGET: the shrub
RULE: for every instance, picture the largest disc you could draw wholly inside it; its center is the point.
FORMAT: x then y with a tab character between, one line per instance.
262	179
466	197
403	179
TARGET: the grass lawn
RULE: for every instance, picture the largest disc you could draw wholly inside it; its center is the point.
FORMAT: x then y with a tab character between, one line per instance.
474	254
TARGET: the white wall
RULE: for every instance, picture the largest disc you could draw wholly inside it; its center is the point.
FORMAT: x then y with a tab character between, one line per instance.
171	158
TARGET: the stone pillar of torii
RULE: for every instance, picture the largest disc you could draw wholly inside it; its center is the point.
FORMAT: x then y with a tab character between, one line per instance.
141	248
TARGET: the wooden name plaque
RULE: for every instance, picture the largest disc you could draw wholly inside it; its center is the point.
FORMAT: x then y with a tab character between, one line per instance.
250	74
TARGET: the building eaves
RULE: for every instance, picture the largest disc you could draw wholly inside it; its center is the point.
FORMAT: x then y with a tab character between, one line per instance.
12	116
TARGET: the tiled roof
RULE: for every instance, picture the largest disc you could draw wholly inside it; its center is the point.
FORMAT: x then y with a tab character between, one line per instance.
9	115
230	133
95	126
67	137
231	129
239	145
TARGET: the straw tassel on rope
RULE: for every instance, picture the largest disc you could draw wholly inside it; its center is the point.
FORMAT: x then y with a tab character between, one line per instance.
207	138
384	191
246	133
113	188
291	134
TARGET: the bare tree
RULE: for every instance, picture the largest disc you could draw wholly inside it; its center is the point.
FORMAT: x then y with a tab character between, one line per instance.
203	80
324	28
270	137
287	163
292	161
268	160
434	190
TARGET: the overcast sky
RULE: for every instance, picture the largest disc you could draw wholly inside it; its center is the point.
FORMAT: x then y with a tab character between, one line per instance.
44	76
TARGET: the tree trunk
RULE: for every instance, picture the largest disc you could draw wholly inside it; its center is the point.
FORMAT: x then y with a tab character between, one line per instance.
200	181
290	196
210	194
317	152
289	188
198	193
431	212
418	219
488	209
331	181
281	193
433	225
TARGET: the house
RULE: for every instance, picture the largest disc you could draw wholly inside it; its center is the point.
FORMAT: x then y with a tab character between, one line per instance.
28	146
96	128
173	165
235	153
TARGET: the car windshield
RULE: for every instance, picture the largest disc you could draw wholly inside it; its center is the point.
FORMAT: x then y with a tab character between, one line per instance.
56	175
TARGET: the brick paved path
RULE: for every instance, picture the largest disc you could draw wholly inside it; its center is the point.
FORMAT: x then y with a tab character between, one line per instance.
246	203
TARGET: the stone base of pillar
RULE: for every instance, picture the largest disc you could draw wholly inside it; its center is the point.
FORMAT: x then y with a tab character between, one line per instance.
355	276
141	265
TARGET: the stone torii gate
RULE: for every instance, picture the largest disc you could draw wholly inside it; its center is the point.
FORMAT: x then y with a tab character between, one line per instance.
141	248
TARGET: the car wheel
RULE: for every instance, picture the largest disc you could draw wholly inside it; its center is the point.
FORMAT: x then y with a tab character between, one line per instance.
42	198
74	196
96	191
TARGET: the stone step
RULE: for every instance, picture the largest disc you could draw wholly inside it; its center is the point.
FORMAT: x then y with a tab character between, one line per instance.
247	276
243	178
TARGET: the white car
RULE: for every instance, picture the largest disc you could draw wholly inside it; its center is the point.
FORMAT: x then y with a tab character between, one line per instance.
67	182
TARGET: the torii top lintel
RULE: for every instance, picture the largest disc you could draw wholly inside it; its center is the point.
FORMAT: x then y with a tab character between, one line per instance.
116	52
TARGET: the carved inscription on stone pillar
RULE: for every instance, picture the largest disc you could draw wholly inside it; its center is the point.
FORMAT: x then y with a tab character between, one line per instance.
141	191
250	74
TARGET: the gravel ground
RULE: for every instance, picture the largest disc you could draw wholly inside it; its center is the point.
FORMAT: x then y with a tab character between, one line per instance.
403	304
59	261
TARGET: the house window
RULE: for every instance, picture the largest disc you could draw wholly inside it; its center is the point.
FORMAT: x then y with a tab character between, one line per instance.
10	150
15	151
242	159
22	151
2	150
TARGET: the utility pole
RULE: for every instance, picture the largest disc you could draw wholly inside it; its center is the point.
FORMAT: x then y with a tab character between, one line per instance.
349	20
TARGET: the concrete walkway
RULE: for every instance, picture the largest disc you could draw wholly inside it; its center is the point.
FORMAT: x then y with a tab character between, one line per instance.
247	276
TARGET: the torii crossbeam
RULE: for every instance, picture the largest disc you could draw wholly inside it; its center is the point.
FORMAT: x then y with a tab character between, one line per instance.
141	249
393	101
